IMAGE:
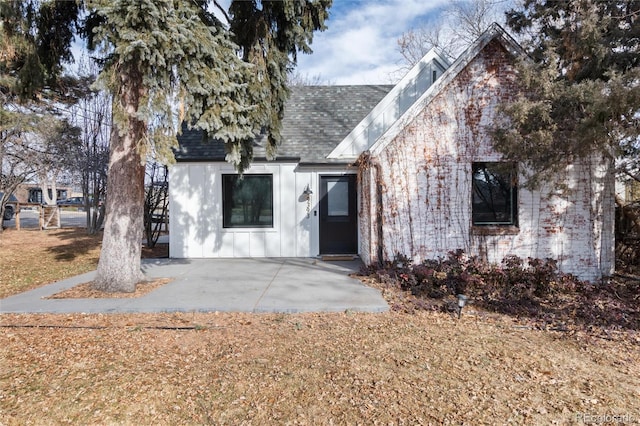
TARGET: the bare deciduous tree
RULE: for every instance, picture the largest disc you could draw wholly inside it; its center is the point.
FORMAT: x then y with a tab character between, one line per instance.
56	141
92	114
297	79
156	201
34	145
461	23
13	169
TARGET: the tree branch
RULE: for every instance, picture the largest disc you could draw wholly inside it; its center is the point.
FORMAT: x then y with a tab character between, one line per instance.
633	176
221	9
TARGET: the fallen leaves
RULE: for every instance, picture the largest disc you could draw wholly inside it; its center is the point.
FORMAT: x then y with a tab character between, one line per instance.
86	291
31	258
349	368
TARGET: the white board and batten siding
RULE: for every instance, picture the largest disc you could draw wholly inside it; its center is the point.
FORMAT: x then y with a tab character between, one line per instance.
195	224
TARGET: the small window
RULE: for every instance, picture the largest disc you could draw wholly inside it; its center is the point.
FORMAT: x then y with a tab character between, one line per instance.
247	201
495	194
338	198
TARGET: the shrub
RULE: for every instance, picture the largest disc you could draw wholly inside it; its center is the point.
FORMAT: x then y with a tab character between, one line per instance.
531	288
513	281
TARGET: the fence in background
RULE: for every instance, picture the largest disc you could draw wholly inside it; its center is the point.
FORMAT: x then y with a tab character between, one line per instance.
35	216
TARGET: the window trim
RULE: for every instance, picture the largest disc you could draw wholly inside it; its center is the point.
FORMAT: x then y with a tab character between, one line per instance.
225	219
497	227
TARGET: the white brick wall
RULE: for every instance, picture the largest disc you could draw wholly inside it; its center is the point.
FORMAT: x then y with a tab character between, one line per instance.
425	180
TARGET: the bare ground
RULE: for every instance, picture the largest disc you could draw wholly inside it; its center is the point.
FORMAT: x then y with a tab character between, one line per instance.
347	368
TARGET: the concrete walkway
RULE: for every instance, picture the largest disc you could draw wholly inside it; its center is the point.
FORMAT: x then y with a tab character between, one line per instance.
225	285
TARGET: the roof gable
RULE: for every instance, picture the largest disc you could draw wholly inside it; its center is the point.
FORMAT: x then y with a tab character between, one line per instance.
316	119
494	32
335	124
423	75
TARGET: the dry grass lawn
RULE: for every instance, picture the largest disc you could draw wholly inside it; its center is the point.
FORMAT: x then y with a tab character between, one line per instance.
31	258
347	368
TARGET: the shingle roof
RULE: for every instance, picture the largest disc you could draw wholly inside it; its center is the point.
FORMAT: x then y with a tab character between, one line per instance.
316	119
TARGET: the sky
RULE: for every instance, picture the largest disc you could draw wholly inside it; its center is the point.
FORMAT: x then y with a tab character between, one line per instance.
360	44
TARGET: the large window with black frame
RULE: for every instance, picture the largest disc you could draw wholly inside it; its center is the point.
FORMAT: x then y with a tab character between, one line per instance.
247	201
495	194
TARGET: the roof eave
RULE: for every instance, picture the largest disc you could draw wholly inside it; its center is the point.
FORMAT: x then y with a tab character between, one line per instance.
495	31
432	55
224	160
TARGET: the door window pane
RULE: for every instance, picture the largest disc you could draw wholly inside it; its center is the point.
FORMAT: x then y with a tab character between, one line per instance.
338	198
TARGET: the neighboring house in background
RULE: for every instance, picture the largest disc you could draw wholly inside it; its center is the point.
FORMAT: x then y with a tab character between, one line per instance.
32	193
384	170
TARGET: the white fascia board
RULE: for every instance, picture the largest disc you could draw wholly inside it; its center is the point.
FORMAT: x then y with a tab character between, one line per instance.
494	31
358	136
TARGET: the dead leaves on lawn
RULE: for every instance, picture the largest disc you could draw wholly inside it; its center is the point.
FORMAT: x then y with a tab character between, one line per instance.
86	291
348	368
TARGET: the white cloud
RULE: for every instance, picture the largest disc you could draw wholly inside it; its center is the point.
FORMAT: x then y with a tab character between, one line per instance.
360	44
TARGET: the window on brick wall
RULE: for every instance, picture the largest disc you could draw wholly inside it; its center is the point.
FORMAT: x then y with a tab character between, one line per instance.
247	202
495	194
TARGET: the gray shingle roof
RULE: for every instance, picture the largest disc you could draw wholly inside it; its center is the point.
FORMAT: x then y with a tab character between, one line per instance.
316	119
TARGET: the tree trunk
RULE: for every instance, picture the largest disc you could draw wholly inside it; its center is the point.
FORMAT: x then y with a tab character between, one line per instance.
119	265
46	188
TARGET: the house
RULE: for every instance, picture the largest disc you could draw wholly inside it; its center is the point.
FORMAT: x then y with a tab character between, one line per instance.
32	193
383	170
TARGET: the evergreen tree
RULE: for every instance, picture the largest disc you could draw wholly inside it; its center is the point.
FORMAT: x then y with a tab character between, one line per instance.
270	33
165	62
581	93
171	61
35	41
